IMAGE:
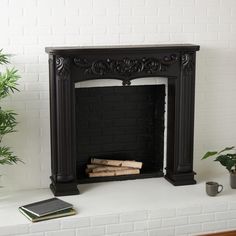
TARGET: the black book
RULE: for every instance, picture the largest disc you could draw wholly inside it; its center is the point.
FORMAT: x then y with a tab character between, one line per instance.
34	218
50	207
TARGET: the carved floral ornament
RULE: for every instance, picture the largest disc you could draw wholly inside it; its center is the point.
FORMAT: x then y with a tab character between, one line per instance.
125	67
63	66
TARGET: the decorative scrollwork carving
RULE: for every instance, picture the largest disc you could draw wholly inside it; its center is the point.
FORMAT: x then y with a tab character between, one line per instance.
63	66
187	62
125	67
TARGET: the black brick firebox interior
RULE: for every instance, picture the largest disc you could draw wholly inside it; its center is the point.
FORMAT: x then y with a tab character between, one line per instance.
122	122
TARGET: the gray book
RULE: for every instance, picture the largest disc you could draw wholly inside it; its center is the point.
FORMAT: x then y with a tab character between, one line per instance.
46	207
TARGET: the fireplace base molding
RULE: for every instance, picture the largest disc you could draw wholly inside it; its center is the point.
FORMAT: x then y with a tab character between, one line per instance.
69	65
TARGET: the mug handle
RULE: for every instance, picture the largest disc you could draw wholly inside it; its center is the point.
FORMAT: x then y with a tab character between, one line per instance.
221	186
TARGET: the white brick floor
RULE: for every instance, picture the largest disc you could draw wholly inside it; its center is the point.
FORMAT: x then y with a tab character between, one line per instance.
150	207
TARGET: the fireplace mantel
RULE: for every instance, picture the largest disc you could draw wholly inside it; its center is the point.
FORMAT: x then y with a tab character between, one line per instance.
68	65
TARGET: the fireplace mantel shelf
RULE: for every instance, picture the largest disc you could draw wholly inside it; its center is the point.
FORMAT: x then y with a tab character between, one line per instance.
124	48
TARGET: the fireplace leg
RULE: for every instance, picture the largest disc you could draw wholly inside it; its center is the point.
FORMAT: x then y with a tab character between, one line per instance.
63	189
181	178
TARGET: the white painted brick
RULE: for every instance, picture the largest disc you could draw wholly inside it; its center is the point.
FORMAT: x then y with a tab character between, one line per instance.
158	37
50	4
73	20
44	96
175	221
208	3
127	38
225	35
94	231
162	232
147	10
121	228
29	40
75	223
142	233
131	20
64	11
154	19
201	218
170	28
140	226
182	19
99	29
152	224
61	233
117	29
186	211
144	28
13	229
32	234
194	11
100	40
50	40
133	216
162	213
225	215
101	20
17	4
26	96
206	36
227	19
140	3
104	220
214	226
37	86
216	11
182	2
187	37
158	2
219	28
170	11
207	19
232	223
45	226
232	206
188	229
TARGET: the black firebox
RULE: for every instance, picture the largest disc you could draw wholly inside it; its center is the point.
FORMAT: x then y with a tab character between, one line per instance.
121	122
124	123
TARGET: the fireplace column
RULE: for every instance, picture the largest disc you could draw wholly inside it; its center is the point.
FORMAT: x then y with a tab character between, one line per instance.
62	118
180	128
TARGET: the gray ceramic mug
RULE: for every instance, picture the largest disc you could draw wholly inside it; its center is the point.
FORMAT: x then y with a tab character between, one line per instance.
213	188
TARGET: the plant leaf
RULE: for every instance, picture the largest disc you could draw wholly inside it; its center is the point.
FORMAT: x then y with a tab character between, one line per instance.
230	164
209	154
226	149
223	159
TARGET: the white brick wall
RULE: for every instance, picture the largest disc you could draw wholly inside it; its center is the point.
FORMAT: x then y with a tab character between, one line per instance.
113	225
27	26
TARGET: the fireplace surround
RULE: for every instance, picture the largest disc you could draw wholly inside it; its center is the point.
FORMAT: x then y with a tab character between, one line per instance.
68	65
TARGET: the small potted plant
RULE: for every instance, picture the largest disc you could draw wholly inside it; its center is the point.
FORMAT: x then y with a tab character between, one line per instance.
227	158
8	85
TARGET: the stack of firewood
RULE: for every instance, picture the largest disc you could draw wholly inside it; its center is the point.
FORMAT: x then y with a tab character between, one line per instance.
104	167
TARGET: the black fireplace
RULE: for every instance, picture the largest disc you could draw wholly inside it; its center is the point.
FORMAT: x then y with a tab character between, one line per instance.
121	122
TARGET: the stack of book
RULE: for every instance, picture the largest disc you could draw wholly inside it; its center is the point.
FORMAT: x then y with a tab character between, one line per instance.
106	167
47	209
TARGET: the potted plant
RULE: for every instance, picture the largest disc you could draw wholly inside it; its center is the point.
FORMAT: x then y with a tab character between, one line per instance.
227	158
8	85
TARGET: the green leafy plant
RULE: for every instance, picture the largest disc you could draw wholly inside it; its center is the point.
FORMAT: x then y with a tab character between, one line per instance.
8	85
226	157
